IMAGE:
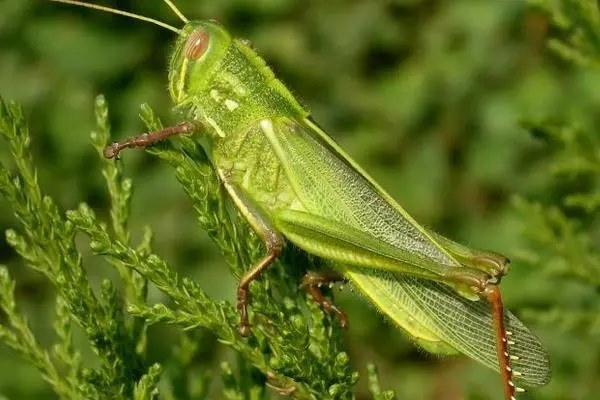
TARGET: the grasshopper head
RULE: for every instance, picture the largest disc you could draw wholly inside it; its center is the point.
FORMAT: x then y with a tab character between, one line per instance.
197	52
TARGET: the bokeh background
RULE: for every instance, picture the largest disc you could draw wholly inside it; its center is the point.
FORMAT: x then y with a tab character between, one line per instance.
430	96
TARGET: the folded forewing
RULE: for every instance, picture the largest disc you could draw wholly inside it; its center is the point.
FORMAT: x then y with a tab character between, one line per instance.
463	324
330	186
342	207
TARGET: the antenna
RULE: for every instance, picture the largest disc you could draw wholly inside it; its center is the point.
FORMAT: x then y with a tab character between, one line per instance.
176	11
124	13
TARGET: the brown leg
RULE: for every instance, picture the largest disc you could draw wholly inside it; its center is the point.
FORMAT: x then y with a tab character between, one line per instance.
113	150
312	282
492	294
261	224
487	289
274	245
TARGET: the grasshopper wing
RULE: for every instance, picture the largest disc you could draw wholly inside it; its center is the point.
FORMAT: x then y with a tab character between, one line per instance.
338	199
332	188
434	314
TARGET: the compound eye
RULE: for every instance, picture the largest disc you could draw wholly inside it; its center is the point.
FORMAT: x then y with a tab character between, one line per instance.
196	44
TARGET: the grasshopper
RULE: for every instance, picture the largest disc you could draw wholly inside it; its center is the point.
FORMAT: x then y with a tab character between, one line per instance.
293	184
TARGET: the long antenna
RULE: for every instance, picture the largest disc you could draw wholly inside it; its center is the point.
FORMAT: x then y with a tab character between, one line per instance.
176	11
119	12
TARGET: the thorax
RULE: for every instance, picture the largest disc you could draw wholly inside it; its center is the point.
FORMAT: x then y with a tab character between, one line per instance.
247	160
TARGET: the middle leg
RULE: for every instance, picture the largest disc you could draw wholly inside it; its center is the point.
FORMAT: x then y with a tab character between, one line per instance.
312	283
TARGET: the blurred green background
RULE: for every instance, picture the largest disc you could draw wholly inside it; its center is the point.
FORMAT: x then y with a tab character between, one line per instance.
428	96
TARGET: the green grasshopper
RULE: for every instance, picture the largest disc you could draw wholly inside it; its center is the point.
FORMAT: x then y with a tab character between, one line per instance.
293	184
